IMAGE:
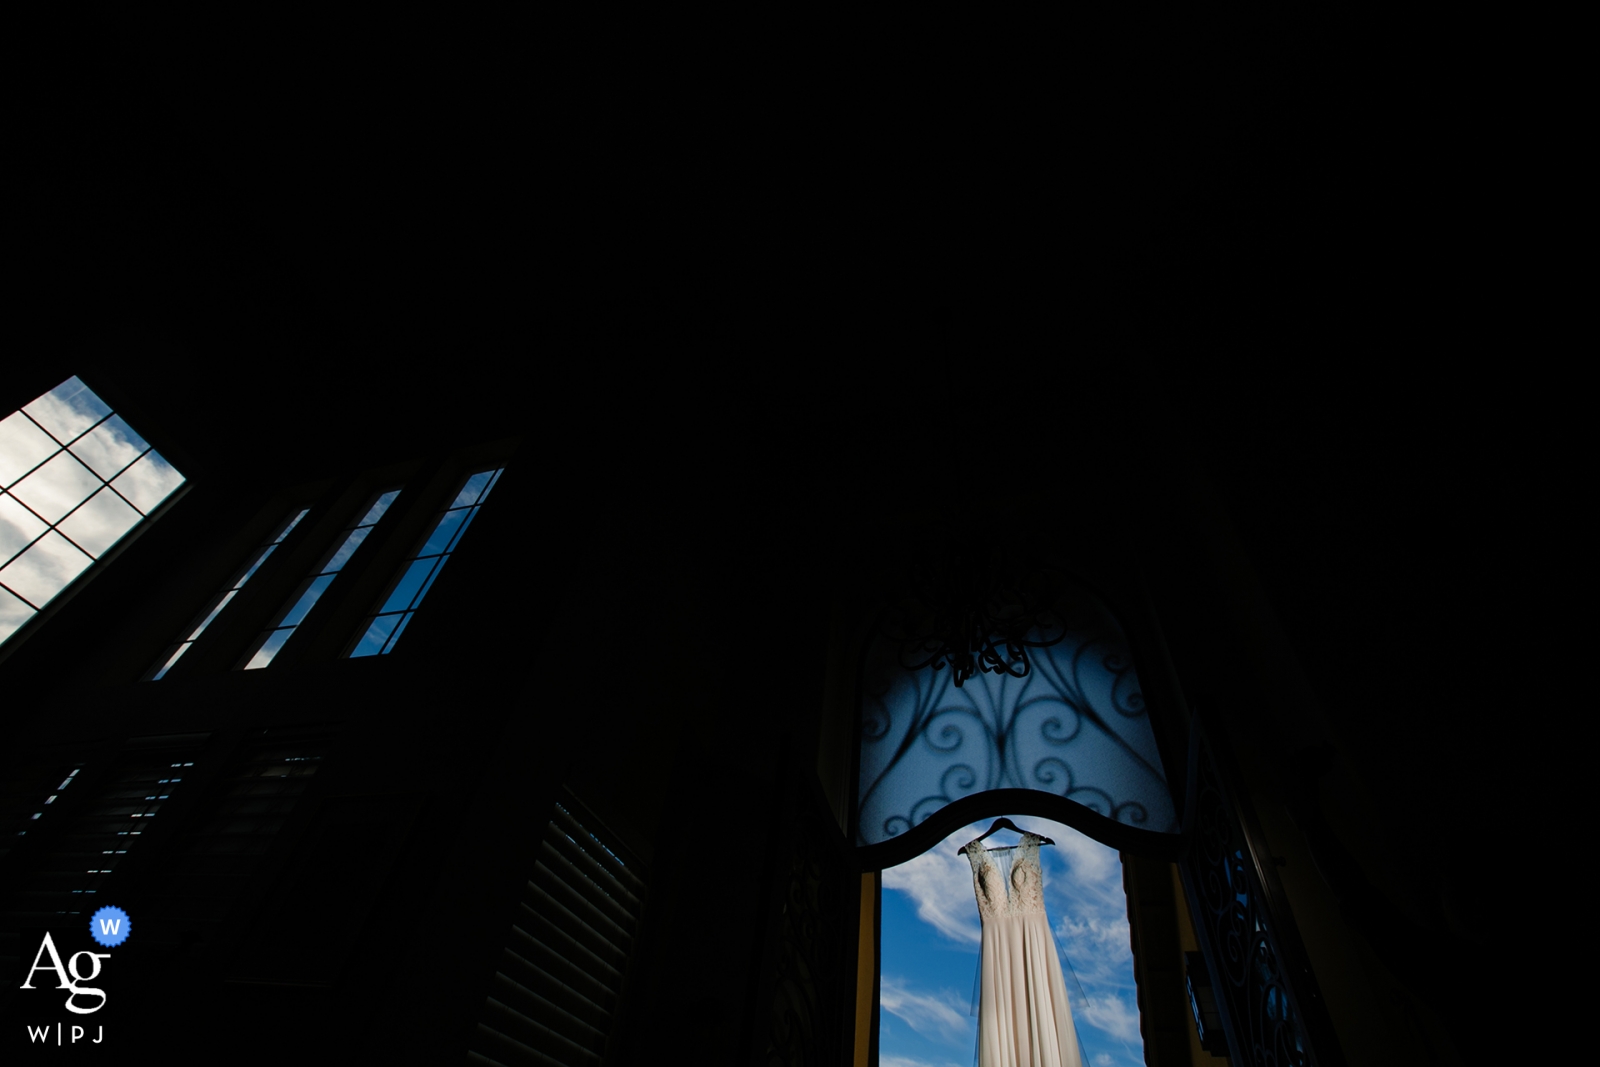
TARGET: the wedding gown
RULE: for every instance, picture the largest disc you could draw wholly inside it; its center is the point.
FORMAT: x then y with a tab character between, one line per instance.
1024	1019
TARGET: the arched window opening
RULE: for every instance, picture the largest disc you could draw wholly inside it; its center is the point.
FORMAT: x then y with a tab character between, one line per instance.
930	935
1070	739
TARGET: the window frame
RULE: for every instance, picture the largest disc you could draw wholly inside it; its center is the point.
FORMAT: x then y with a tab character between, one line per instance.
852	629
464	473
157	441
281	535
397	505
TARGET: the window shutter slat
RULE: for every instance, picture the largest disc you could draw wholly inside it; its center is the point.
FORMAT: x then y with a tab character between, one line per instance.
573	929
584	899
584	981
626	902
575	830
555	993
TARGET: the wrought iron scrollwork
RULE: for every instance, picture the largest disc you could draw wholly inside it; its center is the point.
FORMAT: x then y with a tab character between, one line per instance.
796	1011
1255	988
813	980
977	616
1074	724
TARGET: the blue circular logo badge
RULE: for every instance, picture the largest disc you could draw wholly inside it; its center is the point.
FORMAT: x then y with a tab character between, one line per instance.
109	926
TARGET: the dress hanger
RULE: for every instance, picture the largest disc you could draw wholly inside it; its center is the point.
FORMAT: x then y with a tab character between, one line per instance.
1002	824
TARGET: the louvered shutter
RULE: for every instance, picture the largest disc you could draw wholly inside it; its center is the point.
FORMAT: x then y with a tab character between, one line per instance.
66	877
28	805
556	992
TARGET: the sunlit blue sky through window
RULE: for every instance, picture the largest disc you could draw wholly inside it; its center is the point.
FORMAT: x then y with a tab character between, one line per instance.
931	938
74	480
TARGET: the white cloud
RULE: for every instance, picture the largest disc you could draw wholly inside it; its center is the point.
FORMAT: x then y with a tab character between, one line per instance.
68	409
18	527
939	882
1103	1059
941	1016
109	447
64	483
907	1061
100	522
22	447
45	569
59	485
1090	862
1114	1016
148	482
1098	945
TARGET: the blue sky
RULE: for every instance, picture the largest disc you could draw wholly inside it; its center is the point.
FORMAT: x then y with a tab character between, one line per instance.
931	939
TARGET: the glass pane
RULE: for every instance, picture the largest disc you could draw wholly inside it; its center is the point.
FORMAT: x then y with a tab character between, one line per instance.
375	512
212	614
57	487
307	599
431	579
44	570
409	584
148	482
167	666
443	533
68	409
100	523
346	550
371	642
13	613
109	447
405	619
494	481
473	489
259	560
268	649
23	446
460	532
292	524
18	528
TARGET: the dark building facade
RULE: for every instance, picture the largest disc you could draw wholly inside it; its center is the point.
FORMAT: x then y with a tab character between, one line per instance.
726	428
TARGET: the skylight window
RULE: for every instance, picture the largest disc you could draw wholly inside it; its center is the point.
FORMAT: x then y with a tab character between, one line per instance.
223	598
313	587
383	627
74	480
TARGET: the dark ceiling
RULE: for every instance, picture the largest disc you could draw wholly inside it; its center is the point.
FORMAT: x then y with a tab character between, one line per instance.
1265	239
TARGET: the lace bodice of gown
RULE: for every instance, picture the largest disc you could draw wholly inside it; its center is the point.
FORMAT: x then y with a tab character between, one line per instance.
1024	1018
1026	892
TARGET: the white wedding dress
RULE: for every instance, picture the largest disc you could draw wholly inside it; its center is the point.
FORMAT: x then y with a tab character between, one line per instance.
1024	1019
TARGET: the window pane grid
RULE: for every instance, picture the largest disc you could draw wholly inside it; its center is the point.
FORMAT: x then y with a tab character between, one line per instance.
60	444
223	599
63	454
311	590
382	629
74	480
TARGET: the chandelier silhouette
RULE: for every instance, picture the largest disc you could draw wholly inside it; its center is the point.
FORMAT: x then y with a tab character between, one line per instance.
975	614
